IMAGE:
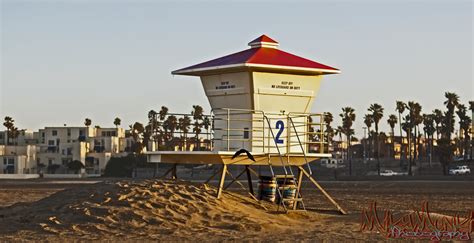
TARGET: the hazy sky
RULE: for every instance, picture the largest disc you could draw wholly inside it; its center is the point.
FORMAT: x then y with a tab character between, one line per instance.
63	61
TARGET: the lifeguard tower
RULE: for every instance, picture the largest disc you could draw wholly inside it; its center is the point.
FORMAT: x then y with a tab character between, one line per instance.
261	100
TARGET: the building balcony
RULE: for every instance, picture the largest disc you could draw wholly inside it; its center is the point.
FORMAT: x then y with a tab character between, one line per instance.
49	149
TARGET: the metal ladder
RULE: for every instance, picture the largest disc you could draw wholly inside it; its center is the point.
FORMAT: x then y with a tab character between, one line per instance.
287	176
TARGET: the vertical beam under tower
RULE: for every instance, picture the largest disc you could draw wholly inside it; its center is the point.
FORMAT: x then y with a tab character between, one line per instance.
221	182
298	189
249	179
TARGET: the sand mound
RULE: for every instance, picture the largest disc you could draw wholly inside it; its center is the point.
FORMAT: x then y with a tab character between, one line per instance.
144	210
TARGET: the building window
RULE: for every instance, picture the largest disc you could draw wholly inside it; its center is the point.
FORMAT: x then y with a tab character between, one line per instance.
50	161
51	142
55	133
69	151
68	132
246	133
4	161
104	134
42	134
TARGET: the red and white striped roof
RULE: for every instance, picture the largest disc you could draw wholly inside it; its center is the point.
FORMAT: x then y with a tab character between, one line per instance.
263	55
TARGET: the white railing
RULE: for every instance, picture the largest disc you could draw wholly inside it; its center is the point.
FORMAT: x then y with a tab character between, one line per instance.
249	129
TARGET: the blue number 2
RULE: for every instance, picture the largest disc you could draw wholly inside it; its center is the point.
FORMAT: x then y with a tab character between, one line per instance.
281	126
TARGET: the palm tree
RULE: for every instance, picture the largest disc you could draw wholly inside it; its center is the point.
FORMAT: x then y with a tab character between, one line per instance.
392	121
10	125
162	131
183	125
377	114
170	125
14	133
464	124
140	141
328	118
418	119
197	114
407	127
471	107
451	103
445	148
87	122
369	120
153	127
414	119
348	117
400	107
429	129
117	122
163	113
438	118
137	130
338	132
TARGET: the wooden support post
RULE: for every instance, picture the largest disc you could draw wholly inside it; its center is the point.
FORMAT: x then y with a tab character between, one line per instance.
174	175
298	189
221	182
155	170
342	211
249	179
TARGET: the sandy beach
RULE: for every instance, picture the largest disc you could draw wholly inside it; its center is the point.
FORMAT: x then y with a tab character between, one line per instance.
180	210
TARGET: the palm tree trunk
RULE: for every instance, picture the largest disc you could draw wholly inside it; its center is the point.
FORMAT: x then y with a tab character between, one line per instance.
409	151
415	152
377	146
401	137
392	147
348	155
431	149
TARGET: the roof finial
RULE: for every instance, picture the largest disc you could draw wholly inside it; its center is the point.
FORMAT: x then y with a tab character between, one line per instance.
264	42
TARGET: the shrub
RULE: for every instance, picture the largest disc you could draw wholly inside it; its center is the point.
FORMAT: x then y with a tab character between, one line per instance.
123	166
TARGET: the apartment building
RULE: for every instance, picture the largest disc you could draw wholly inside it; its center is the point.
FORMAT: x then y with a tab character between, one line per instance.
89	145
17	159
17	155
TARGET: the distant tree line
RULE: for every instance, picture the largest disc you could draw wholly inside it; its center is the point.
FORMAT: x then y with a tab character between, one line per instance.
415	124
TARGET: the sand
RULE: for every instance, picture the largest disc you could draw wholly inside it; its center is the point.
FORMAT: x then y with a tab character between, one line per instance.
184	211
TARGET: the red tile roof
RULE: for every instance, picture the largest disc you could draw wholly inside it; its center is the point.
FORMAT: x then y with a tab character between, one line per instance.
260	56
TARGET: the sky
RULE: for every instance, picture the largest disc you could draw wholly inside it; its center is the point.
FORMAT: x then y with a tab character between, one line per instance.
63	61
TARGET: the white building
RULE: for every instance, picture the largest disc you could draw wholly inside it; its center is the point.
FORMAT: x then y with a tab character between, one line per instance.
18	159
25	137
91	146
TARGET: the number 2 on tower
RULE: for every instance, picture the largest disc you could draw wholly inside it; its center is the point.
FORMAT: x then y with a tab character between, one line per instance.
280	126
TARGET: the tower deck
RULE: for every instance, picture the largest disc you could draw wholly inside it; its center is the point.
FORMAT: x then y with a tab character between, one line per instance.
225	157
